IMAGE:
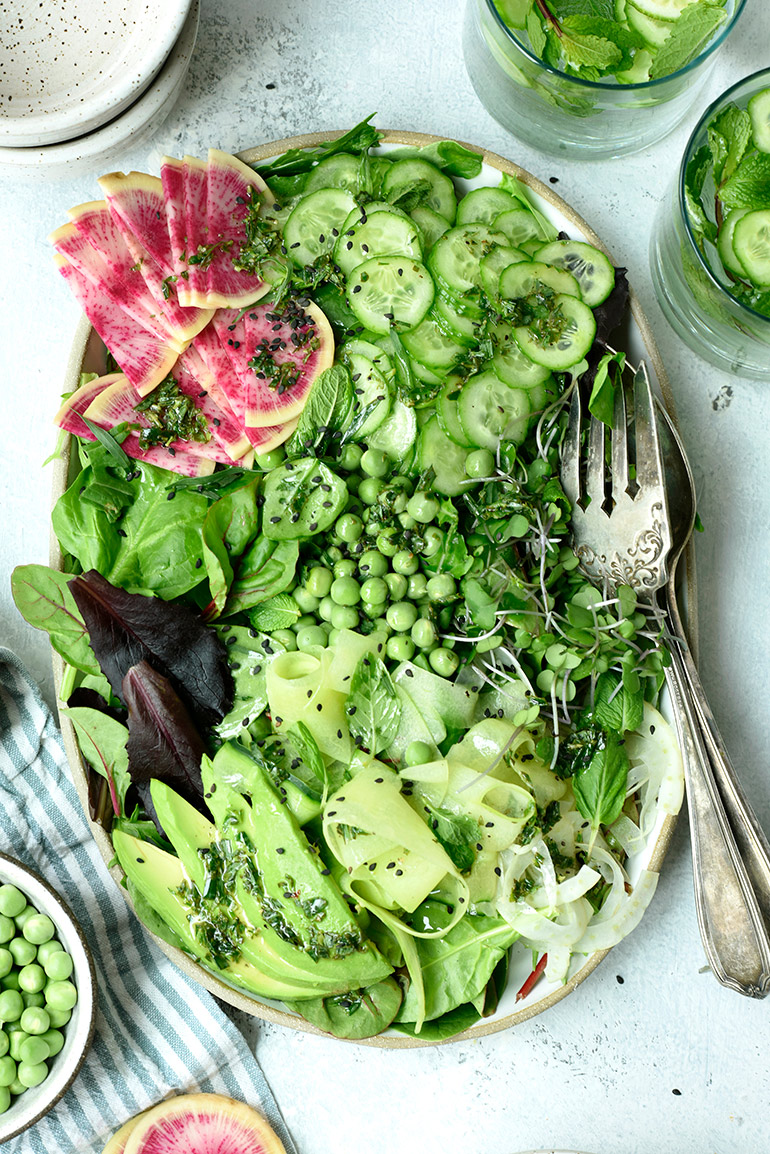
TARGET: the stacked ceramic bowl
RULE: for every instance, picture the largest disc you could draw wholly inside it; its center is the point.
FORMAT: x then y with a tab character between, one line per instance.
81	80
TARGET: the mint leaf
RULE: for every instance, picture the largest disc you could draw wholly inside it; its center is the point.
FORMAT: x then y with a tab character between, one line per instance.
689	34
280	612
372	708
514	12
604	9
587	50
749	186
536	33
329	407
458	833
728	137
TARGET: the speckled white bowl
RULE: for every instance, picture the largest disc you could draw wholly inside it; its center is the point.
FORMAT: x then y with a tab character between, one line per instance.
101	149
30	1106
71	66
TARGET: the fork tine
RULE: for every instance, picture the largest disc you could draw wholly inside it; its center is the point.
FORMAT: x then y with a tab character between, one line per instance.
649	462
595	487
570	451
619	466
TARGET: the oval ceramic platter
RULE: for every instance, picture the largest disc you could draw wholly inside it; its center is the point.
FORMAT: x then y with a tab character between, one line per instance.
88	354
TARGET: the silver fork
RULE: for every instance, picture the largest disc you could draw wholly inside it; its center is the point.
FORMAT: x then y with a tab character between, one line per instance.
622	535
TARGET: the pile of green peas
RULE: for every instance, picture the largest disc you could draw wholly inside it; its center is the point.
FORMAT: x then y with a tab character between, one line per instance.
372	570
36	994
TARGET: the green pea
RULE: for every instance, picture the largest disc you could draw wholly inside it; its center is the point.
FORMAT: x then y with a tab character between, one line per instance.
22	918
387	542
5	1099
344	617
23	951
7	929
47	949
334	554
373	611
5	1043
325	609
34	1050
58	1018
442	587
7	1070
417	753
54	1039
349	527
406	522
424	633
345	591
35	1020
270	460
373	564
374	463
350	457
17	1041
405	562
374	591
381	625
397	585
305	619
6	962
39	929
307	602
422	507
319	581
344	568
433	541
401	616
416	586
311	636
32	1074
488	643
480	463
32	978
11	1006
12	901
60	995
10	981
443	661
16	1087
369	490
400	503
36	999
399	648
285	637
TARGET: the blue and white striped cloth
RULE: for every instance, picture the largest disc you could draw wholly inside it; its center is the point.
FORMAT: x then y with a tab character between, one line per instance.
157	1032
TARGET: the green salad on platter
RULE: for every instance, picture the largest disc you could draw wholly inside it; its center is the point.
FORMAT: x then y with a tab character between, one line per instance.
366	741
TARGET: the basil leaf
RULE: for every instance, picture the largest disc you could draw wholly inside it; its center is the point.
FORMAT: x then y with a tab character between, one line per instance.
45	601
372	707
600	787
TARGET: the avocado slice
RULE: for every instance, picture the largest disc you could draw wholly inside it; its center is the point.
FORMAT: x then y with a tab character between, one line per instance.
307	919
159	877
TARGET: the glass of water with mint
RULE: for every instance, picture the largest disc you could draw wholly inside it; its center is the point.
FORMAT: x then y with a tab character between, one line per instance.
710	246
593	79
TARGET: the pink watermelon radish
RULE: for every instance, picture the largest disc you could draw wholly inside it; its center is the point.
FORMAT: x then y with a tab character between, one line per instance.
123	287
117	1143
276	355
145	359
203	1124
95	222
225	428
70	414
191	285
172	179
231	187
137	204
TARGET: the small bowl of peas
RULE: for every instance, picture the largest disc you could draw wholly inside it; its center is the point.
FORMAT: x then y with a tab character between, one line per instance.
47	997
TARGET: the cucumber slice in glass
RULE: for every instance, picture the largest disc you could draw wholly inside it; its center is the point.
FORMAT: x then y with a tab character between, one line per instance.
315	223
725	242
654	32
526	277
490	411
591	268
390	290
751	244
759	111
429	184
482	205
572	331
661	9
376	234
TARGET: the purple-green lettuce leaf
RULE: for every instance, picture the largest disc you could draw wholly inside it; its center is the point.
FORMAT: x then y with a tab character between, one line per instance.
102	740
163	743
44	600
127	628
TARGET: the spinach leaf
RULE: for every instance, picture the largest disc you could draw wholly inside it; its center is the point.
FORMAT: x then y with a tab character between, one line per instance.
302	497
446	1026
102	742
45	601
228	527
266	568
296	161
607	378
328	408
357	1014
458	833
616	707
600	787
372	708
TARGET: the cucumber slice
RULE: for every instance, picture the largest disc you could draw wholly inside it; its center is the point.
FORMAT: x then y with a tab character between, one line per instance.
340	171
376	355
460	327
315	223
751	243
376	234
362	211
660	9
482	205
390	290
509	362
494	263
590	267
526	277
369	386
449	417
397	434
435	450
435	189
725	242
455	258
490	411
519	225
759	111
429	344
654	32
431	224
572	340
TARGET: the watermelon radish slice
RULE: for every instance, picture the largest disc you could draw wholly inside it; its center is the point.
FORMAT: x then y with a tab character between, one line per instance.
191	266
184	322
138	206
231	187
276	356
203	1124
224	426
144	358
172	179
69	416
124	287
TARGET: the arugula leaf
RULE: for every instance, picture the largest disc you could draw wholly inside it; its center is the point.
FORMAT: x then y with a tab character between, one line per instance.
600	787
372	708
358	140
44	599
328	408
280	612
693	30
749	186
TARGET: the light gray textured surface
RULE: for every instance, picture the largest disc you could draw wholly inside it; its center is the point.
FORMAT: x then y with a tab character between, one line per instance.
599	1071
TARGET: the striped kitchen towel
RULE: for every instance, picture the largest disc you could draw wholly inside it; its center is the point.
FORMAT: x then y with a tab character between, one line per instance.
157	1032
